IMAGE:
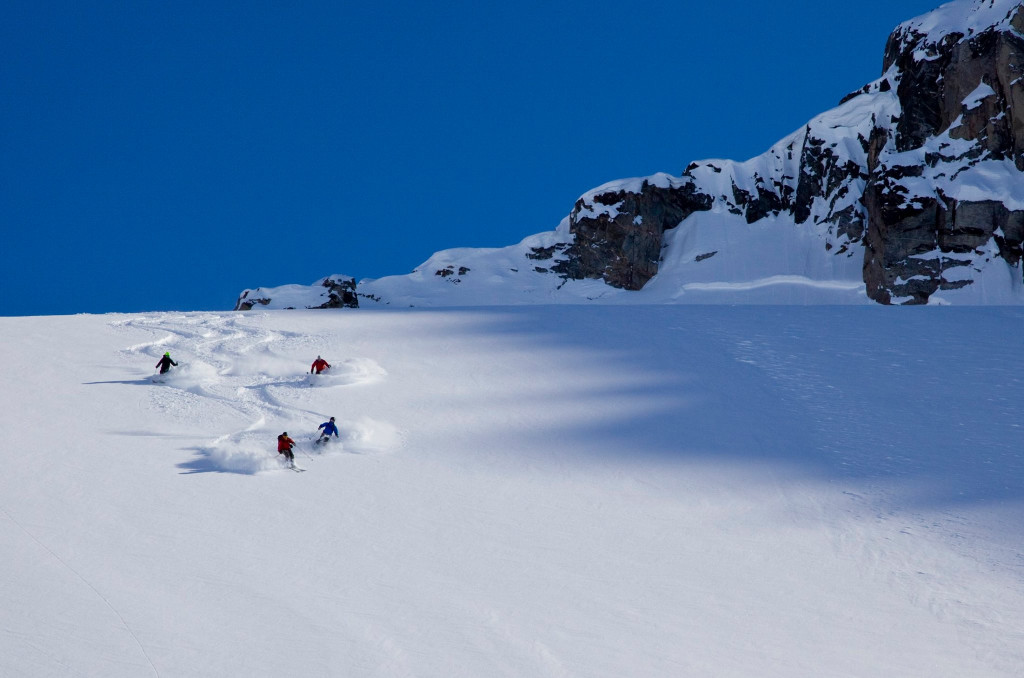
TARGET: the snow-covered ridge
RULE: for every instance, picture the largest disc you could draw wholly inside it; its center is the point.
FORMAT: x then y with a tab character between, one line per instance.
911	189
964	18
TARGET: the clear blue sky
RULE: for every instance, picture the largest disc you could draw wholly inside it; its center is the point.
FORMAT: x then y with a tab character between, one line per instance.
166	155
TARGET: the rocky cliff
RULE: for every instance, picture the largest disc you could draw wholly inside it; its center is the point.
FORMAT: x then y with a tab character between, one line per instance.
921	170
960	86
910	191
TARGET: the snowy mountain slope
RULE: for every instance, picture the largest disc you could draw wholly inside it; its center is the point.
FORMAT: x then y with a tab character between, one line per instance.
918	176
778	270
910	190
542	491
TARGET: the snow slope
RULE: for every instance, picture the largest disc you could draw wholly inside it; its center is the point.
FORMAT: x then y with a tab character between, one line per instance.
524	491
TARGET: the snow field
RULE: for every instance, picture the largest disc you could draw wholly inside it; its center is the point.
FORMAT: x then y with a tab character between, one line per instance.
225	362
539	491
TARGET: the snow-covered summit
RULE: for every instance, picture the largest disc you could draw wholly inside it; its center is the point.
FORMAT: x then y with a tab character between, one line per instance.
911	190
964	18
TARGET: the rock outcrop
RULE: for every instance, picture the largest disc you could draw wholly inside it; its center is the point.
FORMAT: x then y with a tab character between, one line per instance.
335	291
961	95
619	232
882	173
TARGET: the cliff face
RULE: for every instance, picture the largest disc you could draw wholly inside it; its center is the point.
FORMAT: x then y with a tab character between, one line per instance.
919	172
619	234
961	97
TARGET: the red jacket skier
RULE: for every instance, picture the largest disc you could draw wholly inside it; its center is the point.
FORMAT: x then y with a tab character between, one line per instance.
319	365
284	446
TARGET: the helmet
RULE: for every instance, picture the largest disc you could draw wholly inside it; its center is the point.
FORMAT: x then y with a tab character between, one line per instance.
167	353
285	433
332	418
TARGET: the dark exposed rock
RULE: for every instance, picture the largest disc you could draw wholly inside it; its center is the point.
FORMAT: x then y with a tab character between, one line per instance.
622	244
245	303
901	235
825	173
937	80
768	200
341	293
932	89
448	271
863	90
544	253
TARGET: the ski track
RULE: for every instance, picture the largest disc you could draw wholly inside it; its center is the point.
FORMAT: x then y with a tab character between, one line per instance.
228	362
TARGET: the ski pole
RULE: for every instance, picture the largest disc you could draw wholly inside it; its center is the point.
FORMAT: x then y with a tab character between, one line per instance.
308	456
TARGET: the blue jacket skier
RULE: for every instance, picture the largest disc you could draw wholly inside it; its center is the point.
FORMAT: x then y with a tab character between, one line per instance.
327	429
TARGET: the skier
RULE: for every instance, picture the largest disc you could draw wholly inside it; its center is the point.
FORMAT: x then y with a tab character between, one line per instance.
319	365
165	363
284	446
328	428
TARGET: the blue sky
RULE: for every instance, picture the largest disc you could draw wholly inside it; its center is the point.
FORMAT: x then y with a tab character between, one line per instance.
165	156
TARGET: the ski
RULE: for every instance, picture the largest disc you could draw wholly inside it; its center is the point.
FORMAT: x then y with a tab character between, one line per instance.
297	469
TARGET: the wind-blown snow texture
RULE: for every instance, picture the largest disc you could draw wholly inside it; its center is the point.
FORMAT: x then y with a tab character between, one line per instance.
533	491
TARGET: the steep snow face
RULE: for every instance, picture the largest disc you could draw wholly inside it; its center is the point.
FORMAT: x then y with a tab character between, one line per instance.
912	190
